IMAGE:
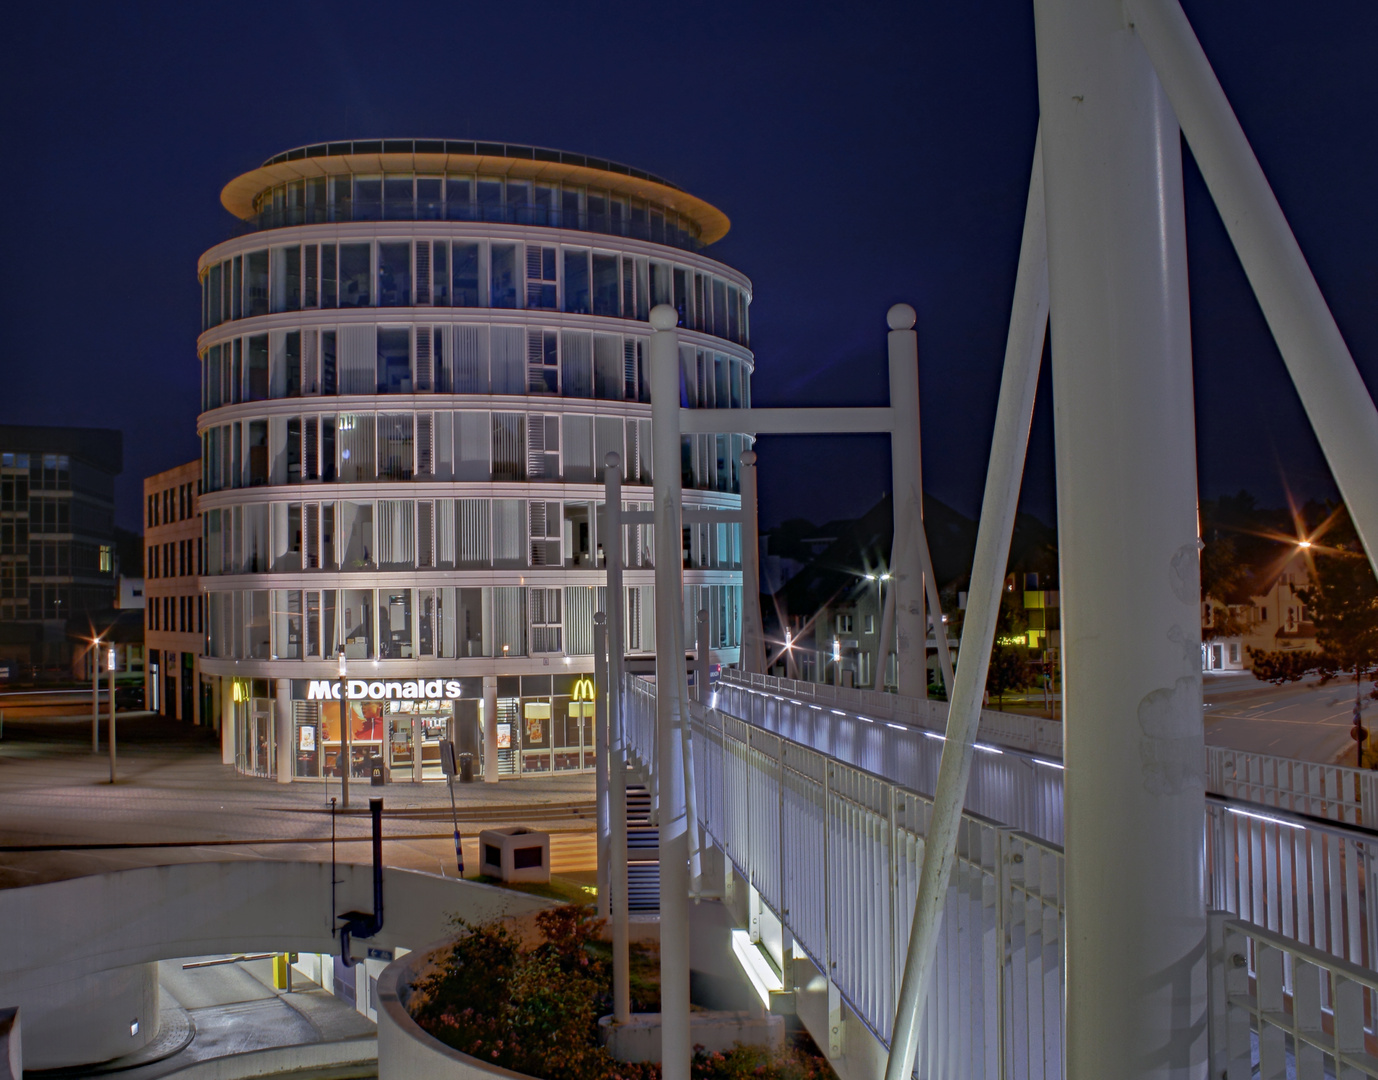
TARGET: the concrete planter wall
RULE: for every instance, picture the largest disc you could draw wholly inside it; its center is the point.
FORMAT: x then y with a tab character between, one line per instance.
405	1051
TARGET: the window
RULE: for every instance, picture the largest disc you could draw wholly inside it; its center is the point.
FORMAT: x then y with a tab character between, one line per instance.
394	274
504	277
542	362
540	277
355	275
577	281
256	284
394	360
397	198
606	285
429	204
845	624
546	621
440	273
466	281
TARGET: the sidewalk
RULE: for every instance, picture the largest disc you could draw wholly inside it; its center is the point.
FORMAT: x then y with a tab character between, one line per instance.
175	802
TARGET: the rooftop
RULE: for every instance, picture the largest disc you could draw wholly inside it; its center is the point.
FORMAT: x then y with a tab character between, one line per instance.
438	156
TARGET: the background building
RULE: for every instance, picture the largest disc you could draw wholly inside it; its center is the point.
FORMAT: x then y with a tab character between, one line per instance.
415	360
174	607
58	560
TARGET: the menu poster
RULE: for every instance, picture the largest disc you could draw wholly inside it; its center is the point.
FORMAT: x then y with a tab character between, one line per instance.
306	737
504	736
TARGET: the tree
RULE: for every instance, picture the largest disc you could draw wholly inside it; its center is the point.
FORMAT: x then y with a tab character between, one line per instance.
1342	601
1009	661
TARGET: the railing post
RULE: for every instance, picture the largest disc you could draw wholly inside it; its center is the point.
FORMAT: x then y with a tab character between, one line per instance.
617	744
753	636
676	1049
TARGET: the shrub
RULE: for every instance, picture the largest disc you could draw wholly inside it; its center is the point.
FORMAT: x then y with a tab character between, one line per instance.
535	1008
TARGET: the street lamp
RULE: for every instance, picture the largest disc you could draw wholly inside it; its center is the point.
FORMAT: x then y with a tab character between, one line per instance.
95	694
110	669
344	732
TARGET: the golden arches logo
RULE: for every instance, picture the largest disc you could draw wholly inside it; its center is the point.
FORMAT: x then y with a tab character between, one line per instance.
583	689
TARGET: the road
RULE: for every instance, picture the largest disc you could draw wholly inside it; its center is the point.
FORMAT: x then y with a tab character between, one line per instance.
1303	720
175	802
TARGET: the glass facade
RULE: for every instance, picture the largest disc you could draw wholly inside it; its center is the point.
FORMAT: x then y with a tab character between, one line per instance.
445	523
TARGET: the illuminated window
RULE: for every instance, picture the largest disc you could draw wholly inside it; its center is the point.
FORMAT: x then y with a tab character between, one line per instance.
107	559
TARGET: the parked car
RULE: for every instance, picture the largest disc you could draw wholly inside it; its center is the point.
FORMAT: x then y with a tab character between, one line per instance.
129	697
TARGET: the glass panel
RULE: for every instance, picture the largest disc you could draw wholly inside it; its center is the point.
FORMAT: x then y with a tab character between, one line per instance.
258	632
355	275
490	201
356	531
395	446
394	360
606	285
504	277
397	198
576	280
459	195
394	626
440	274
607	366
576	364
341	201
396	522
329	280
368	198
357	607
257	284
257	374
394	274
466	274
355	439
311	275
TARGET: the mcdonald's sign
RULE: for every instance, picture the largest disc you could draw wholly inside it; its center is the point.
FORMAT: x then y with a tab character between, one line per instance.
583	689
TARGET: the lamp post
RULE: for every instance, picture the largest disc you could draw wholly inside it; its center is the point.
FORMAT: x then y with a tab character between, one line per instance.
344	732
95	695
110	676
885	628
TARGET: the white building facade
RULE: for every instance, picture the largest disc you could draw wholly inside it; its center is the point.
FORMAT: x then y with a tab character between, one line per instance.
415	359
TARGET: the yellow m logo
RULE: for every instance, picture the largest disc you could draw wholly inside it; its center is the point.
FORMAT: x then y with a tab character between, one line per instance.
583	689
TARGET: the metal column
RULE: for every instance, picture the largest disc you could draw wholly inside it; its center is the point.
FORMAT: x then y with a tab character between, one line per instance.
676	1049
282	723
617	746
753	637
906	571
1126	486
490	729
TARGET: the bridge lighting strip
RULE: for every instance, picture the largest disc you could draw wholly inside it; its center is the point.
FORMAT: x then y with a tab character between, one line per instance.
932	735
1265	817
987	749
839	712
761	975
897	727
1050	764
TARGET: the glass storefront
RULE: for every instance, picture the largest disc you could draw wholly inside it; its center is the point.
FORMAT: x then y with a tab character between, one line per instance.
544	724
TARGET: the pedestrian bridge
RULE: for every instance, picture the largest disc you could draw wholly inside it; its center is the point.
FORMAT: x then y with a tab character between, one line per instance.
820	797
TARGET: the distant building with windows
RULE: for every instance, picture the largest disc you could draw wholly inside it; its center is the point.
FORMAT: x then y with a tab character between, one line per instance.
1276	620
58	562
174	606
416	355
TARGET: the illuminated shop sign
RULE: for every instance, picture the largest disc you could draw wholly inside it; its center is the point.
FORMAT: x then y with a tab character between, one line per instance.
583	690
382	690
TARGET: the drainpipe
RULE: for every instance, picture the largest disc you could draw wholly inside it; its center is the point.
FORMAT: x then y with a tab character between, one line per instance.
361	924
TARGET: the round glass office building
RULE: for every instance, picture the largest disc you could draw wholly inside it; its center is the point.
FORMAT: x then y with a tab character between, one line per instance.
415	357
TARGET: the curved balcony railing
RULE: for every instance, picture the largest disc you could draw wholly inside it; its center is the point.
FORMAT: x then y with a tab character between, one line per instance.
652	229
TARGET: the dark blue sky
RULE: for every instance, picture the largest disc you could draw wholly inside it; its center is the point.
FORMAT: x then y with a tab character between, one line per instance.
865	153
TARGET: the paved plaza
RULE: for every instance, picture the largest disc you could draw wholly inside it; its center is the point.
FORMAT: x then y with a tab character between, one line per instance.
175	802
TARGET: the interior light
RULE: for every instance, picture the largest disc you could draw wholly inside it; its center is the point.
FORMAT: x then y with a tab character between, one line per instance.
134	1028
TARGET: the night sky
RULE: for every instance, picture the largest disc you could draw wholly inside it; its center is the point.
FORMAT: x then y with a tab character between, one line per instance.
865	154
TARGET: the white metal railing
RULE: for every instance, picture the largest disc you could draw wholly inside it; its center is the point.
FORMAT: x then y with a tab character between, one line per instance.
836	851
1337	792
1014	787
1279	1008
1311	881
1013	731
824	810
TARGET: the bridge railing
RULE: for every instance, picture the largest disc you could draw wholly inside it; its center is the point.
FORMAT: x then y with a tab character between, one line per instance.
1337	792
1014	731
836	851
1303	1012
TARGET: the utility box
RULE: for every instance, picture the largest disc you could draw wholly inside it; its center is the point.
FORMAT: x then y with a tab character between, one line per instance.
514	854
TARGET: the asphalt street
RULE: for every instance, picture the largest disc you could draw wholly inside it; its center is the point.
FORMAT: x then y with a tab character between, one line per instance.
175	802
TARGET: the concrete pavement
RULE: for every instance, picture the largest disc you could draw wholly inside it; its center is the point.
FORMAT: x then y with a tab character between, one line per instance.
1302	720
175	802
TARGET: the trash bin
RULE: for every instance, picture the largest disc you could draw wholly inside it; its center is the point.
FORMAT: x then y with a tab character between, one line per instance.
466	768
377	775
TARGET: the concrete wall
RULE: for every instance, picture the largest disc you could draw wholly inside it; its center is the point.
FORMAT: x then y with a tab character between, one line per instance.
90	1018
69	944
405	1052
